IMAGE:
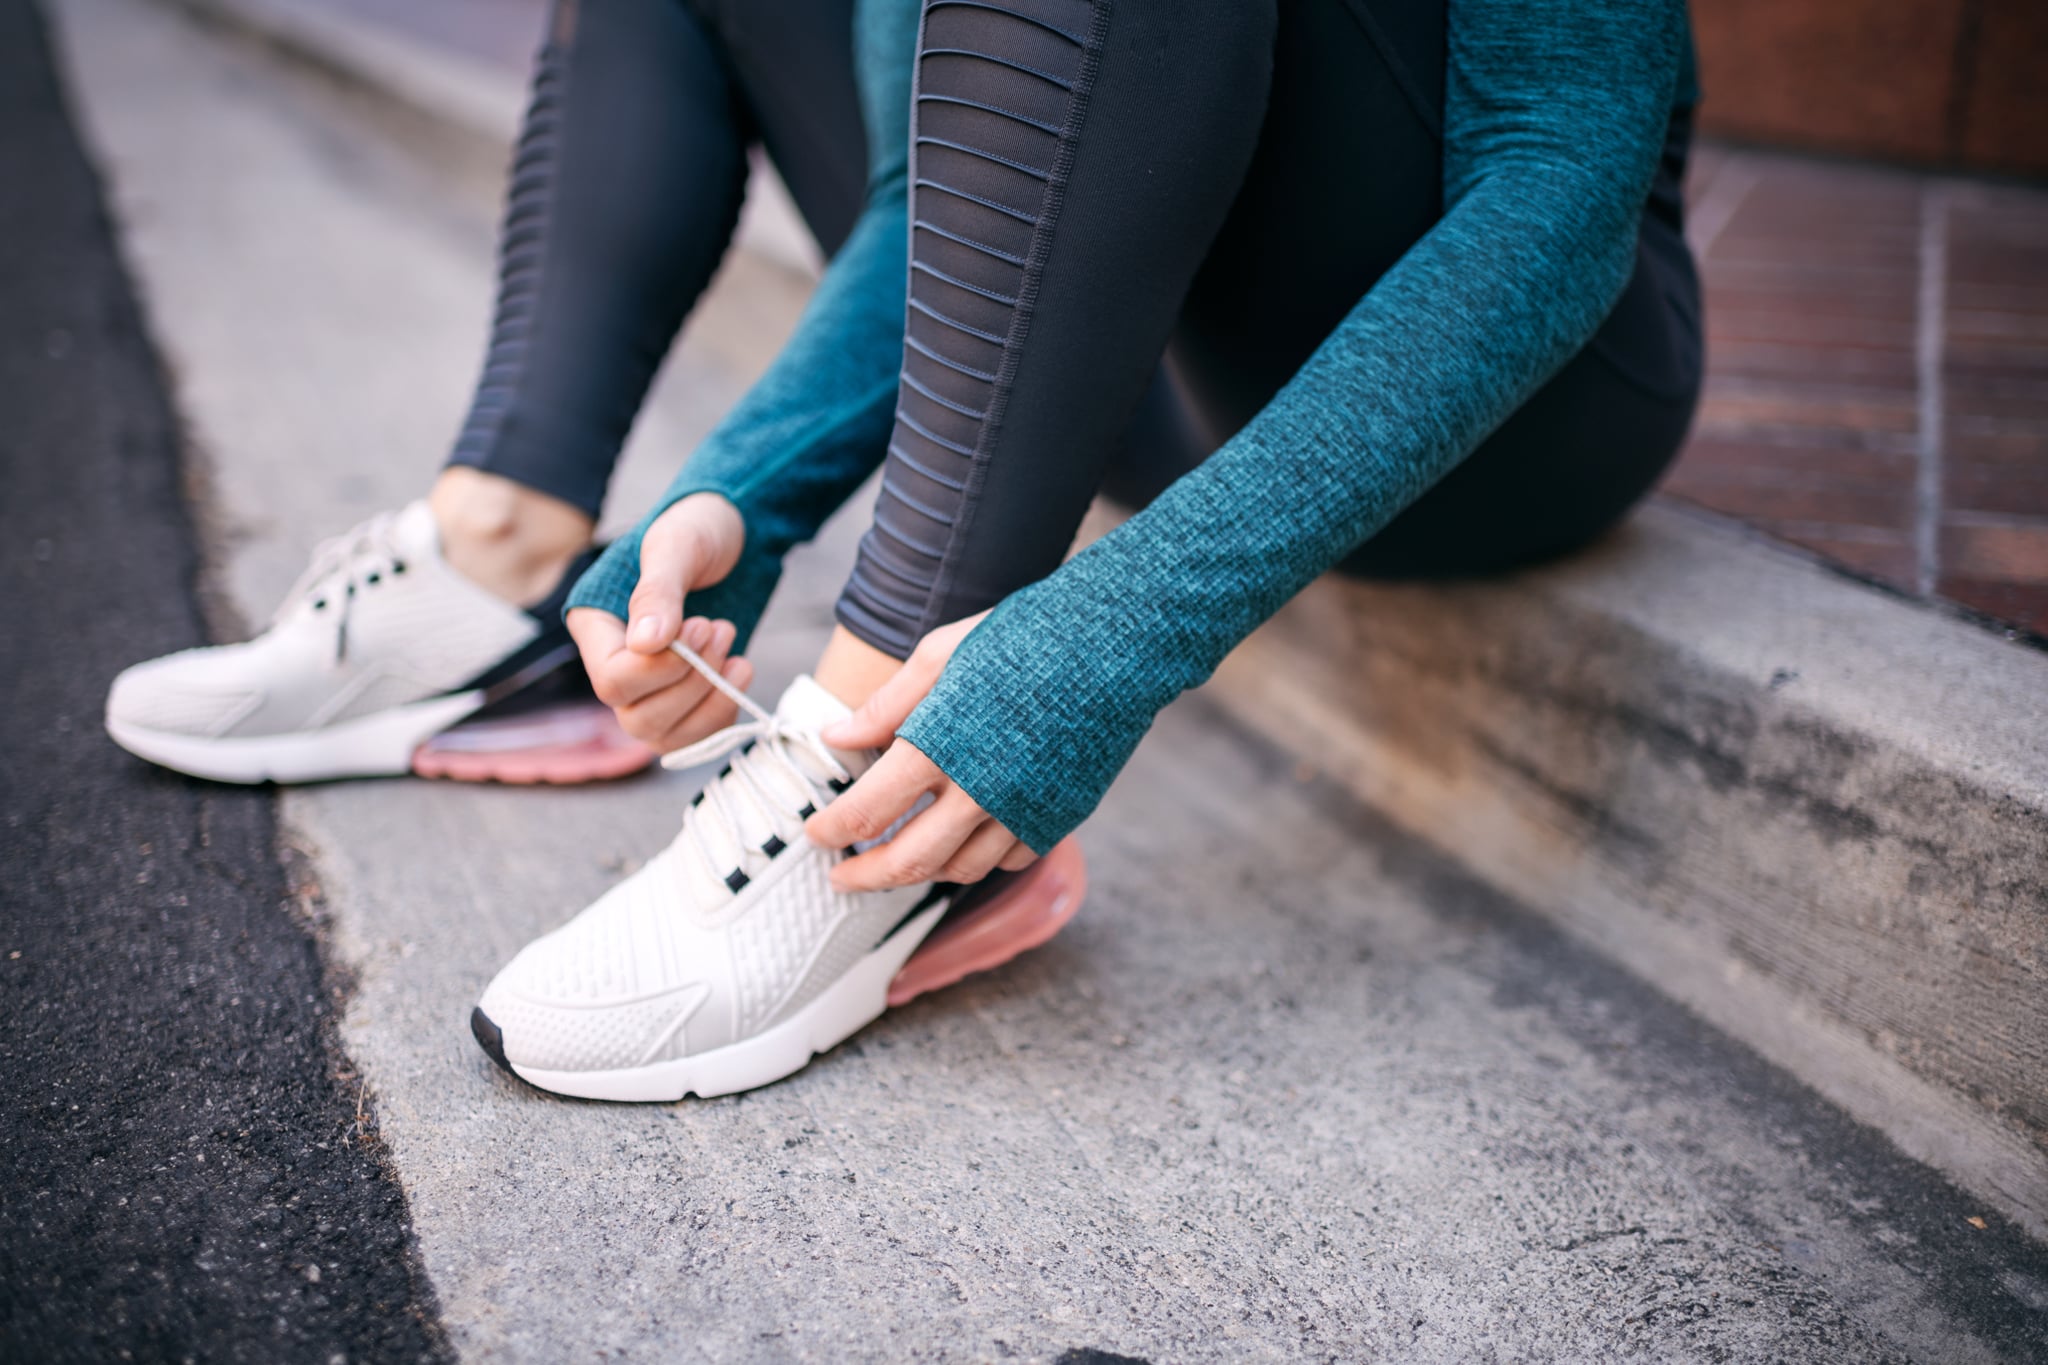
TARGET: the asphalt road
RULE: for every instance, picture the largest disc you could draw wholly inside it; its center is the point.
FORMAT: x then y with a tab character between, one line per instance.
185	1172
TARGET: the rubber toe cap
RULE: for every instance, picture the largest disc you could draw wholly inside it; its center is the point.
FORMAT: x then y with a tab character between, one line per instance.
490	1038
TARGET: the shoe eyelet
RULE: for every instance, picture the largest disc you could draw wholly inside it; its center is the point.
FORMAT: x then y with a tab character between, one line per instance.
397	568
319	604
374	579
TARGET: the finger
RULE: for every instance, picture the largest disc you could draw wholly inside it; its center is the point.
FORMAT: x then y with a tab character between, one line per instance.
978	857
712	713
918	851
617	675
623	677
668	566
1018	858
598	635
657	717
876	722
878	800
723	634
740	673
716	711
880	716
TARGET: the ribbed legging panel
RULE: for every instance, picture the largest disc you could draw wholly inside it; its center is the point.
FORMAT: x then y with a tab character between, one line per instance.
998	82
529	205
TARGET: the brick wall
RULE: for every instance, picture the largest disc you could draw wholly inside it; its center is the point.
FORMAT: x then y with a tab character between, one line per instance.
1960	83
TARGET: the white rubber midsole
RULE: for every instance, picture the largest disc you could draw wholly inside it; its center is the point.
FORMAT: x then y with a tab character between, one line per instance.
841	1010
379	745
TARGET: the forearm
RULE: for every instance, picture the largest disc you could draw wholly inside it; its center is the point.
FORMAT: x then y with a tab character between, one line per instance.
1042	705
1065	677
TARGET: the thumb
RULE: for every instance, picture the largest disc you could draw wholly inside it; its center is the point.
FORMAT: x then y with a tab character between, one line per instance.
655	611
875	723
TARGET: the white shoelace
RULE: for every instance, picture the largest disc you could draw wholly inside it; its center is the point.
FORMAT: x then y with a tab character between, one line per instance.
714	829
361	556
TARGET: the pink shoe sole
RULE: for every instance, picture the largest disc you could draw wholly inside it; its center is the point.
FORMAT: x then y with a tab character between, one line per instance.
1017	919
567	744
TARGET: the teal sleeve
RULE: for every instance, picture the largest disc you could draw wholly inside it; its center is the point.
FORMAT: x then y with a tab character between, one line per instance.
1554	114
817	423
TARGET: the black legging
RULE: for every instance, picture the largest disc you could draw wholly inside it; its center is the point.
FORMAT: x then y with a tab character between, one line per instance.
624	195
1235	181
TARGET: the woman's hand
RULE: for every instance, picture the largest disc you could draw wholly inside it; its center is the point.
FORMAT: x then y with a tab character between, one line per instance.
951	840
660	700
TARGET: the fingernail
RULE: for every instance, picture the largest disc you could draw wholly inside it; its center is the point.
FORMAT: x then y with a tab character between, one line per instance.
833	732
697	633
645	631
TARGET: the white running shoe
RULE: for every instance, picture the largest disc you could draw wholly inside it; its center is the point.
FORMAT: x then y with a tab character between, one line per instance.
728	961
378	648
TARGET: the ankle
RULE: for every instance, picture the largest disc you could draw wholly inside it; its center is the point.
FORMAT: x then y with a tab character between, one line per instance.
507	538
851	669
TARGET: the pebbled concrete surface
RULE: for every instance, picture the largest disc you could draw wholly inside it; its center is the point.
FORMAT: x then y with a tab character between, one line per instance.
184	1174
1290	1088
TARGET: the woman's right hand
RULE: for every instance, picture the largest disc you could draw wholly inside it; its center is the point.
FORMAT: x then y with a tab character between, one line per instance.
660	700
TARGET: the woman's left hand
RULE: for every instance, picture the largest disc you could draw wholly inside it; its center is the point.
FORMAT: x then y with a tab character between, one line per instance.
953	839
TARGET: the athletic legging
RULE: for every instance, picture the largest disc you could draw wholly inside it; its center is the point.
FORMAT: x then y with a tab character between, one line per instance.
1120	252
1217	186
624	194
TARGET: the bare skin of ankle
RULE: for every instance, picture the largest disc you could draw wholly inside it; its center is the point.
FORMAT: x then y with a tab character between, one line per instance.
507	538
851	669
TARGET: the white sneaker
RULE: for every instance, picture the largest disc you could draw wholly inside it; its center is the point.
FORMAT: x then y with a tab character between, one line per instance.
379	647
728	961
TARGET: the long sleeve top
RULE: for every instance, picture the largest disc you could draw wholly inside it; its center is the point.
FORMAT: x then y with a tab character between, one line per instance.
1554	116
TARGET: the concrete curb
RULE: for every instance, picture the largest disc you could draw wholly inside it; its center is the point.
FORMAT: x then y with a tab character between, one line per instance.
1814	813
482	102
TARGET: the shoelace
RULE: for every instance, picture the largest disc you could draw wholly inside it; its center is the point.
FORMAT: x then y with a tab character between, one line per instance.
359	556
714	829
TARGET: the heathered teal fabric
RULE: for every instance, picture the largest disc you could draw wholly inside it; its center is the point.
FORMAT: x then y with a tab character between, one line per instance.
1554	114
817	423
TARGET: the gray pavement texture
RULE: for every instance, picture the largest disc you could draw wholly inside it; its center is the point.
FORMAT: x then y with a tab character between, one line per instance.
504	33
1289	1088
1820	819
185	1175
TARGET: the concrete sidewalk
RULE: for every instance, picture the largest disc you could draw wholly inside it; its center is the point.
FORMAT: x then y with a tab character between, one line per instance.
1844	856
1291	1087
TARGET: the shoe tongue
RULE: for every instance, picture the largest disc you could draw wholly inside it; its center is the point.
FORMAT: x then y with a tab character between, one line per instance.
807	706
